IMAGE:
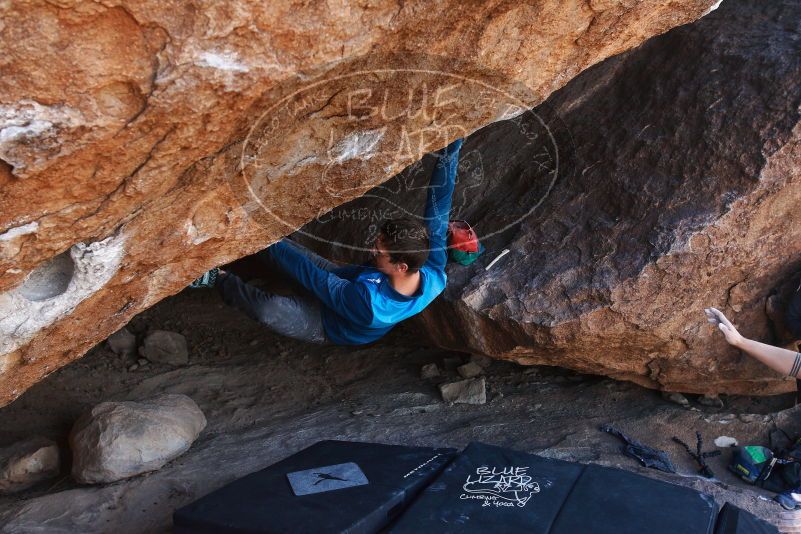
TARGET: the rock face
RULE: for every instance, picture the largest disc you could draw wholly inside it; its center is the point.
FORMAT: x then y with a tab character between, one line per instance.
663	181
27	462
117	440
145	142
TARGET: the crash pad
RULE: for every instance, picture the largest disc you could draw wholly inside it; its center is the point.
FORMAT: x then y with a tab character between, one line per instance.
331	486
493	489
733	520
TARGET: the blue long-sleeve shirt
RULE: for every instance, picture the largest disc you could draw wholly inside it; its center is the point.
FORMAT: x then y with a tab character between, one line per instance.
359	303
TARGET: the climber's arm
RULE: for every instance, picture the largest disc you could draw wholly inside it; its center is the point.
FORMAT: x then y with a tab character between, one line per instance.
782	360
348	272
438	204
348	299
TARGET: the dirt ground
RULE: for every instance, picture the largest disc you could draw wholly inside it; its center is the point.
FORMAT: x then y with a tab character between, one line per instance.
266	397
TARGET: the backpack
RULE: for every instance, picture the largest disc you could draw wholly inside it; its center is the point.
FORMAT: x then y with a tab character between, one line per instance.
463	245
762	467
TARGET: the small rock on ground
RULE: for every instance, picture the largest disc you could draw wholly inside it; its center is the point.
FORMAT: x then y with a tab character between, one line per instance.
27	462
117	440
470	370
122	342
471	391
725	441
162	346
710	400
429	371
678	398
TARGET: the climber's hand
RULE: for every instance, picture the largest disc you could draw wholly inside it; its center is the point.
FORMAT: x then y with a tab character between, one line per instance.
716	317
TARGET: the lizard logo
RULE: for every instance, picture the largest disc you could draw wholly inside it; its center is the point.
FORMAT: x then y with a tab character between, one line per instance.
507	486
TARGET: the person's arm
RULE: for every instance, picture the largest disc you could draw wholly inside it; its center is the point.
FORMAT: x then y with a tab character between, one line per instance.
348	272
438	204
346	298
782	360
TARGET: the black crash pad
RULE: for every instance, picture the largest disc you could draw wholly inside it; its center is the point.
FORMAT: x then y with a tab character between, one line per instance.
491	489
612	501
338	486
733	520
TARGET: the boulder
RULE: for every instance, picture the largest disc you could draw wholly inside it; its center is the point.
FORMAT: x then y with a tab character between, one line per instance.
678	189
117	440
159	140
471	391
162	346
28	462
662	181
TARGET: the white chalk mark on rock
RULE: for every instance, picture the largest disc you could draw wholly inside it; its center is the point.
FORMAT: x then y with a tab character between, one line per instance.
30	129
226	60
19	231
93	265
712	8
196	237
360	145
28	120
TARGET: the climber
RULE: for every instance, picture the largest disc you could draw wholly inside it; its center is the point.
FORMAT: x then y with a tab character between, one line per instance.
354	305
785	361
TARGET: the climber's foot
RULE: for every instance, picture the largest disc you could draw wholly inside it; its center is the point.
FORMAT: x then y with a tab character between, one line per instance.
208	279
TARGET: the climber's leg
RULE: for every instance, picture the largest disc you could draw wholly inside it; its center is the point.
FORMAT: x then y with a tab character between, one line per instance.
298	317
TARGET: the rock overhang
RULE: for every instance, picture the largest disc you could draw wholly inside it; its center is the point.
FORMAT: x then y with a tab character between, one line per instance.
138	127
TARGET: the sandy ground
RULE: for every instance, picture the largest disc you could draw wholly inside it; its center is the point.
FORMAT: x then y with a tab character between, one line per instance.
266	397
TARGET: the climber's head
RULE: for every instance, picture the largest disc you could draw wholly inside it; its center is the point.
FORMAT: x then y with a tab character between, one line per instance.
401	247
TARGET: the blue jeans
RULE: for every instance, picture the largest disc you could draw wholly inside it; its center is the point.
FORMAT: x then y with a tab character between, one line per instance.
298	317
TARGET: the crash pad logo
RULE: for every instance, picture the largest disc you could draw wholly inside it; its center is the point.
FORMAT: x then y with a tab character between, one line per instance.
327	478
499	487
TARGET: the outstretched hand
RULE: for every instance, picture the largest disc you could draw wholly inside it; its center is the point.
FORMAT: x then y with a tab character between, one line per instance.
716	317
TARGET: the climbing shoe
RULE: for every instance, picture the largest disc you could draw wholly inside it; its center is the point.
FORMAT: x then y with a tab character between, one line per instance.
208	279
790	499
